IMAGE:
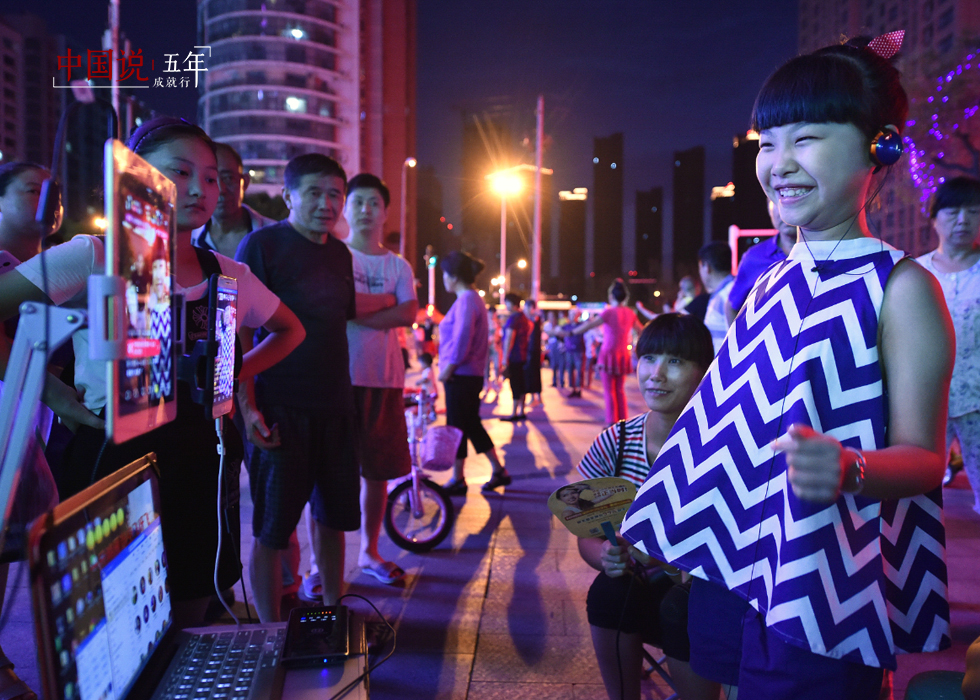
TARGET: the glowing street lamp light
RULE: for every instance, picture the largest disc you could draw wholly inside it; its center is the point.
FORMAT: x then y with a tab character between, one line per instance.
520	265
409	163
505	183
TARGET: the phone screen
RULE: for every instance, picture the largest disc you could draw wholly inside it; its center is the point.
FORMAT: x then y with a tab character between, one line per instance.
225	329
146	376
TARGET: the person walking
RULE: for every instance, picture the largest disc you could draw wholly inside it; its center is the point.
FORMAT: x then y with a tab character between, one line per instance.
463	359
532	366
517	333
574	353
614	359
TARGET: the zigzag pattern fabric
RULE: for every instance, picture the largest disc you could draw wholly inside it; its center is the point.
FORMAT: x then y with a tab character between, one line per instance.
859	579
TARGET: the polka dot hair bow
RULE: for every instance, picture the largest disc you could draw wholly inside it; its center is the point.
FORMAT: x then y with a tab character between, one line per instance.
887	45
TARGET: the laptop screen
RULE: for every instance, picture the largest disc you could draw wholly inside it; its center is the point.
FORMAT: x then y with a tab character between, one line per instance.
102	576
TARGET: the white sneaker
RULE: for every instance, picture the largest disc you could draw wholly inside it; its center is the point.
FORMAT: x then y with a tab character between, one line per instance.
311	591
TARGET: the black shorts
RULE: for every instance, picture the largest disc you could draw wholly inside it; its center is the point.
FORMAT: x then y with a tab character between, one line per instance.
518	382
317	462
657	610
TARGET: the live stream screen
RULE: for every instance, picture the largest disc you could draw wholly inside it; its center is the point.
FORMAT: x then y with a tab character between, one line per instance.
147	374
224	331
106	577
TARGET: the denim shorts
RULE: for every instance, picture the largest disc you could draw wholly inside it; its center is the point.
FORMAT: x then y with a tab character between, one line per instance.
731	644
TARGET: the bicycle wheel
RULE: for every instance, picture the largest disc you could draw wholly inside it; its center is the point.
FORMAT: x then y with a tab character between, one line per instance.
422	531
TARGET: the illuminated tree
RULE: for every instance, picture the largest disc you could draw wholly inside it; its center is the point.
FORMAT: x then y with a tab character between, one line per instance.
942	135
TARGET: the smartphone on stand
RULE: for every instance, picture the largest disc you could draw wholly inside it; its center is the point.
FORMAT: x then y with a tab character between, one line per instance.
223	303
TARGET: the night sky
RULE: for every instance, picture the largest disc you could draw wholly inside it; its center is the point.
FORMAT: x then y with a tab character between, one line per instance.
670	75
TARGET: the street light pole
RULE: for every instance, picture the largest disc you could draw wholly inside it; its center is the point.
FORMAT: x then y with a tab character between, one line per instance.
402	244
505	183
431	271
503	247
536	238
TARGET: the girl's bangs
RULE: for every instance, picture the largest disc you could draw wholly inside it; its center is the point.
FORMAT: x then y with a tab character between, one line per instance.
810	89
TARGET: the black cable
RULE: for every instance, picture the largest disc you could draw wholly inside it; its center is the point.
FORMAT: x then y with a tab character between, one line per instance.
367	664
238	555
5	618
98	459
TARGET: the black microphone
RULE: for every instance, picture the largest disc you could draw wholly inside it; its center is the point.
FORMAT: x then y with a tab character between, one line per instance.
50	198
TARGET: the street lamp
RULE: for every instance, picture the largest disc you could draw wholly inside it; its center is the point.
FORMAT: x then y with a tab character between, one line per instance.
520	265
409	163
506	183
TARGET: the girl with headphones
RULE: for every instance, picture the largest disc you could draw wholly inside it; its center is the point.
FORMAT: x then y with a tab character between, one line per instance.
801	484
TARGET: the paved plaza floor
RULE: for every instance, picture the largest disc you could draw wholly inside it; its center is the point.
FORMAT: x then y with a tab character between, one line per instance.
498	610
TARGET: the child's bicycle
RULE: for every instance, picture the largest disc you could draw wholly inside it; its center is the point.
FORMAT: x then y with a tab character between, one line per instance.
419	514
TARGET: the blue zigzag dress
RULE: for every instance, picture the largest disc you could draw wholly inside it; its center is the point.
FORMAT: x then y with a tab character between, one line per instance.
859	580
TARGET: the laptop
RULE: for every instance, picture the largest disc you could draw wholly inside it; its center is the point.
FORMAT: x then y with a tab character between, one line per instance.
102	606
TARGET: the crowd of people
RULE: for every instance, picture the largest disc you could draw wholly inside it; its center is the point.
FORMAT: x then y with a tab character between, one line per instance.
771	459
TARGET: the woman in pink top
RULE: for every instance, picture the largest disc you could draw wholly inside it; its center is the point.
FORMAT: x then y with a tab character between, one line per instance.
614	359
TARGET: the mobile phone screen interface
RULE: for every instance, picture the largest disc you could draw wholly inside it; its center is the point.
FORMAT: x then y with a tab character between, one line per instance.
224	330
146	376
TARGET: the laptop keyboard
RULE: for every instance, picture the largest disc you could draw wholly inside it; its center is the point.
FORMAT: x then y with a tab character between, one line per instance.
224	665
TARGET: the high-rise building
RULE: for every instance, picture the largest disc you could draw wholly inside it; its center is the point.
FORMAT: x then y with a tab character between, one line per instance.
607	211
939	35
31	108
749	204
30	111
572	206
723	211
689	203
287	77
11	140
649	232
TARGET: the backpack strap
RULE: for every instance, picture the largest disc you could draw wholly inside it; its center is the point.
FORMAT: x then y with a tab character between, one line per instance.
209	263
621	452
210	266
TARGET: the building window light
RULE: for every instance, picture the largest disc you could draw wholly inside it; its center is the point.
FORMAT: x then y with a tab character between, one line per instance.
296	104
297	33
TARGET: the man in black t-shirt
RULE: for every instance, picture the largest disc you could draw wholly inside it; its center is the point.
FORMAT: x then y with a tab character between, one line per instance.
305	449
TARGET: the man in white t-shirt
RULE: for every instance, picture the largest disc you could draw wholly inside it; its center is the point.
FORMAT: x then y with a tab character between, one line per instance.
714	266
377	368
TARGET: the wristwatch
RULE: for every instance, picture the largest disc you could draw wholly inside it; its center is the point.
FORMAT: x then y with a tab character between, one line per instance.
856	471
